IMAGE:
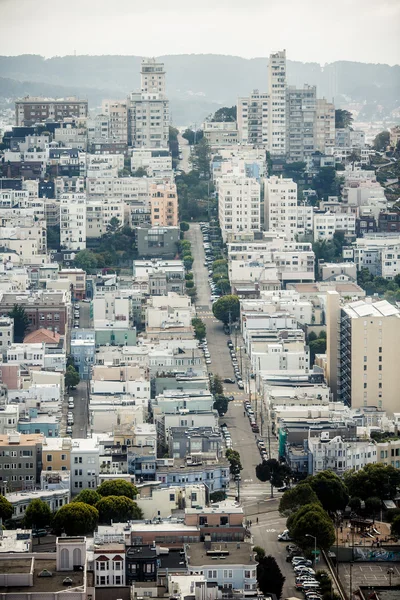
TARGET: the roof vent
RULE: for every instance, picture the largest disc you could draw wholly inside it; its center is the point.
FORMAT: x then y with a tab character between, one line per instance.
45	573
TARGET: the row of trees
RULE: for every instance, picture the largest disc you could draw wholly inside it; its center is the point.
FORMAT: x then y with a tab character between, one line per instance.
199	328
275	472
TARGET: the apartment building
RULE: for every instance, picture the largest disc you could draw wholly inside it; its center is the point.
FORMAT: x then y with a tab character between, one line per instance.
281	210
277	103
377	252
71	135
388	452
300	122
156	162
224	133
338	454
104	165
117	112
164	204
253	119
31	110
148	110
130	189
327	223
99	213
20	460
363	353
84	465
44	309
73	221
6	334
77	280
239	205
324	125
157	242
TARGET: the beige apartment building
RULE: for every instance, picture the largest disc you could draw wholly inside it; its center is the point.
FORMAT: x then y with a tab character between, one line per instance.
364	352
117	112
324	133
56	454
164	204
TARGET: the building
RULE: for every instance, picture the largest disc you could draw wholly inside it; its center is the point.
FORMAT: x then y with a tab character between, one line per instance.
277	103
239	205
363	353
148	110
31	110
324	125
45	309
20	501
339	454
394	136
77	280
253	119
222	133
300	122
6	334
230	566
379	253
282	213
156	162
84	465
83	351
20	460
73	221
345	271
117	113
157	242
326	224
164	204
100	212
389	222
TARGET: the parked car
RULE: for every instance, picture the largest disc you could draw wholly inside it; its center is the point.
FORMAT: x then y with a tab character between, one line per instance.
284	536
229	380
240	385
39	532
69	430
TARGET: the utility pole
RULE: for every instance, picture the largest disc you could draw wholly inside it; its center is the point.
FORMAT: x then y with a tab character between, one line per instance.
230	323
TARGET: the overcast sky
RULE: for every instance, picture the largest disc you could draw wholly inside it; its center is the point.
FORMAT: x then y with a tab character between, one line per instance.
310	30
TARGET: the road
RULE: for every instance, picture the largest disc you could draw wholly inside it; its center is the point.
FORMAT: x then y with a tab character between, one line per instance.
254	495
184	148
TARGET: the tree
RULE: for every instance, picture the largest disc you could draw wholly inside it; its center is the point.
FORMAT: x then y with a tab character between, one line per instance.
86	260
76	518
118	487
330	489
193	137
312	520
395	527
297	497
188	261
200	158
113	226
273	471
140	172
382	141
269	576
88	497
221	404
233	457
373	480
117	508
225	114
37	515
184	226
260	552
21	322
53	237
355	504
71	377
6	509
325	183
225	306
317	346
199	327
217	496
373	505
216	385
343	119
263	472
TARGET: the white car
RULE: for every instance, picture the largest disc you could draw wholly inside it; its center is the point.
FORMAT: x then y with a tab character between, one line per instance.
208	361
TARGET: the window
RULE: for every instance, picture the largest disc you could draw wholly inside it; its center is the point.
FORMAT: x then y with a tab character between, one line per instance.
49	458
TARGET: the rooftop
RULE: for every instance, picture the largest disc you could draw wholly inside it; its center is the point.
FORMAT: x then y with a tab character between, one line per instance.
41	585
361	309
227	553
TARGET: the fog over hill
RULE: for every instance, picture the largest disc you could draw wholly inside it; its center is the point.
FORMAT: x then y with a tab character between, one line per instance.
197	84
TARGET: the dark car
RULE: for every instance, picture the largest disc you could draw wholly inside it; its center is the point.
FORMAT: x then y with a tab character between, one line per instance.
229	380
39	532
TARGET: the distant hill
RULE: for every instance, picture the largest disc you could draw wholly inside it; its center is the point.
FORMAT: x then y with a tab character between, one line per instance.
197	84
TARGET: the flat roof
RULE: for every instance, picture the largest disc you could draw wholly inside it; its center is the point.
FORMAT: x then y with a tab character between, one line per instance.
225	553
361	309
41	585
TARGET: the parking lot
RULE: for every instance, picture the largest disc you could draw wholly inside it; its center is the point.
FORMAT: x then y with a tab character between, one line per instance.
369	574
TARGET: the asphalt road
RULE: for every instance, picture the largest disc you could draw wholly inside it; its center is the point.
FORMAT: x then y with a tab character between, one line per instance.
200	272
184	148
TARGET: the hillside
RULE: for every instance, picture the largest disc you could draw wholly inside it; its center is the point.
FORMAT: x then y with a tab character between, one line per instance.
197	84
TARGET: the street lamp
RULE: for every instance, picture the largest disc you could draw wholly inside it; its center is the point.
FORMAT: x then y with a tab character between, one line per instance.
315	547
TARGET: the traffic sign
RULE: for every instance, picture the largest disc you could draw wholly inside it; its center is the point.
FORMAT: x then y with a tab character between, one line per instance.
316	552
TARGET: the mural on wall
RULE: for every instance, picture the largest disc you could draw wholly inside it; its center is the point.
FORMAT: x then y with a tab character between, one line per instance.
376	555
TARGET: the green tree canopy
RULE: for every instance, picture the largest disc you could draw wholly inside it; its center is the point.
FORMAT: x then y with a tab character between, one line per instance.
373	480
355	504
312	520
113	226
395	527
140	172
200	158
260	552
190	136
216	385
326	183
184	226
221	404
38	514
225	114
86	260
343	118
317	346
71	377
76	518
225	305
6	509
382	141
233	457
330	489
269	576
373	505
297	497
118	487
88	497
117	508
21	322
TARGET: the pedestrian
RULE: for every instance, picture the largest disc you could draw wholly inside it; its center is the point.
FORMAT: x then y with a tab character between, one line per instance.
341	529
257	520
251	523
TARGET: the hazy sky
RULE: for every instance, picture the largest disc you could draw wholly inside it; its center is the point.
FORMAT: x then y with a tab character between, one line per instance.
310	30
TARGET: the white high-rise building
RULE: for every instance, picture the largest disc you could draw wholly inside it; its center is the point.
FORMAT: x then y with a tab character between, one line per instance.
281	211
73	221
239	205
148	110
277	103
252	119
324	125
300	122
